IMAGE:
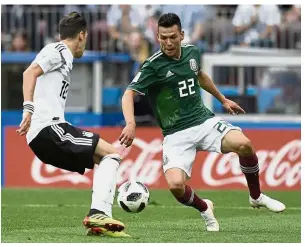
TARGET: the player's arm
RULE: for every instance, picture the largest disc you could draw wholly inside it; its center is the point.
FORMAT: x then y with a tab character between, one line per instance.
30	76
46	60
208	85
128	107
128	133
139	85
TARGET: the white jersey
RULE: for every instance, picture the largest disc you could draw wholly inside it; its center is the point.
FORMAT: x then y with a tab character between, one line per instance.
51	89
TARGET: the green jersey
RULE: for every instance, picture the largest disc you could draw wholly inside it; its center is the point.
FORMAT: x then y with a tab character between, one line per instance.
173	89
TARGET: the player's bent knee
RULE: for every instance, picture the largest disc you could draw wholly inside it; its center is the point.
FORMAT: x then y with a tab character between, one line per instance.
114	156
176	187
245	148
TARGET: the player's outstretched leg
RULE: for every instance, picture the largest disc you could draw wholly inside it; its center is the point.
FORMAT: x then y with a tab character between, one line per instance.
99	217
236	141
104	180
184	194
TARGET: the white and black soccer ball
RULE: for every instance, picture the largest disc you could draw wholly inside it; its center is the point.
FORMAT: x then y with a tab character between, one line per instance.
133	197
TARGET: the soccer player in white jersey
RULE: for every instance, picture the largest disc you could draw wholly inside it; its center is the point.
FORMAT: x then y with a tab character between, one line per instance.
54	141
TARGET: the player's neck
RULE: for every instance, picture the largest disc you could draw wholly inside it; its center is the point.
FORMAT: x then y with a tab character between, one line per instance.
70	44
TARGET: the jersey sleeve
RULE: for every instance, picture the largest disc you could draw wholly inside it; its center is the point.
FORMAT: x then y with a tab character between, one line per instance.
198	58
48	59
142	81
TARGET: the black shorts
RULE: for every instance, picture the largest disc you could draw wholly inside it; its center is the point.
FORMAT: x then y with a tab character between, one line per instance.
65	147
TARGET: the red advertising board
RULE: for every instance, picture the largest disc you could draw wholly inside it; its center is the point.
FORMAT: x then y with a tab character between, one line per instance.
279	153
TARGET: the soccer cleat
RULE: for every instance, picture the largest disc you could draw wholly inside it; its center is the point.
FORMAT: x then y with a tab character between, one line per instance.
95	231
103	232
210	220
100	220
266	201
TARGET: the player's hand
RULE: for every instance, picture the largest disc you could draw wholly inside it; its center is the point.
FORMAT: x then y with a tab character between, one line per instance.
25	123
232	107
128	134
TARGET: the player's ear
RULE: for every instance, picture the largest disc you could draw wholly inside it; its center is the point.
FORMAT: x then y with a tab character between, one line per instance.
182	35
81	36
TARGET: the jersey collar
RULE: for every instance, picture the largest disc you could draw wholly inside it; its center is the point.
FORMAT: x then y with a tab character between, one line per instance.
69	51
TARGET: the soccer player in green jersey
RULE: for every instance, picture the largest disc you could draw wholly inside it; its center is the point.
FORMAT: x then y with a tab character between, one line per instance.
172	79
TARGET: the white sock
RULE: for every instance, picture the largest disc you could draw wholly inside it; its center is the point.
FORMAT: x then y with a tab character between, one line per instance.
104	184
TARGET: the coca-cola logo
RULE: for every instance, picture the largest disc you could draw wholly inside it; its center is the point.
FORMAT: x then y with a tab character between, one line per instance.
281	167
143	162
48	174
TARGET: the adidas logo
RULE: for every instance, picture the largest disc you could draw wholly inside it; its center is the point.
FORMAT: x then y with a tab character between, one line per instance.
169	73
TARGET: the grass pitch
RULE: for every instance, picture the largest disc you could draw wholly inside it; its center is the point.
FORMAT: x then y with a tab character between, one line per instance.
55	215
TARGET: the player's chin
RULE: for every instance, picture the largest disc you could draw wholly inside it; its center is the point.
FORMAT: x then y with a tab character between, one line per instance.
170	52
78	54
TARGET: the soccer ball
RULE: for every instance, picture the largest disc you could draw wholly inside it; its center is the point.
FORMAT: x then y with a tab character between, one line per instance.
133	197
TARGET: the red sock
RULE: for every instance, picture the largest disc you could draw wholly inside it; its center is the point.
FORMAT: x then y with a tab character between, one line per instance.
249	166
191	199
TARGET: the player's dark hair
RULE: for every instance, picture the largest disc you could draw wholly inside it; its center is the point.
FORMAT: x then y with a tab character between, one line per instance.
71	25
169	20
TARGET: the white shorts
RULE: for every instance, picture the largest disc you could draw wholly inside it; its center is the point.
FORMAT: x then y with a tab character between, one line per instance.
180	148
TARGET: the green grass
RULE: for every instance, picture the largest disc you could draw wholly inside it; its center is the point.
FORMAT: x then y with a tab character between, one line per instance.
45	215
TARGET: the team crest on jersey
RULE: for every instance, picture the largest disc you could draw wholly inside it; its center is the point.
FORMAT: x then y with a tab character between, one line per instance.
194	65
87	134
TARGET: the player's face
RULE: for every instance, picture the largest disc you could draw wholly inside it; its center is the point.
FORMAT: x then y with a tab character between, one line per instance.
170	40
82	38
